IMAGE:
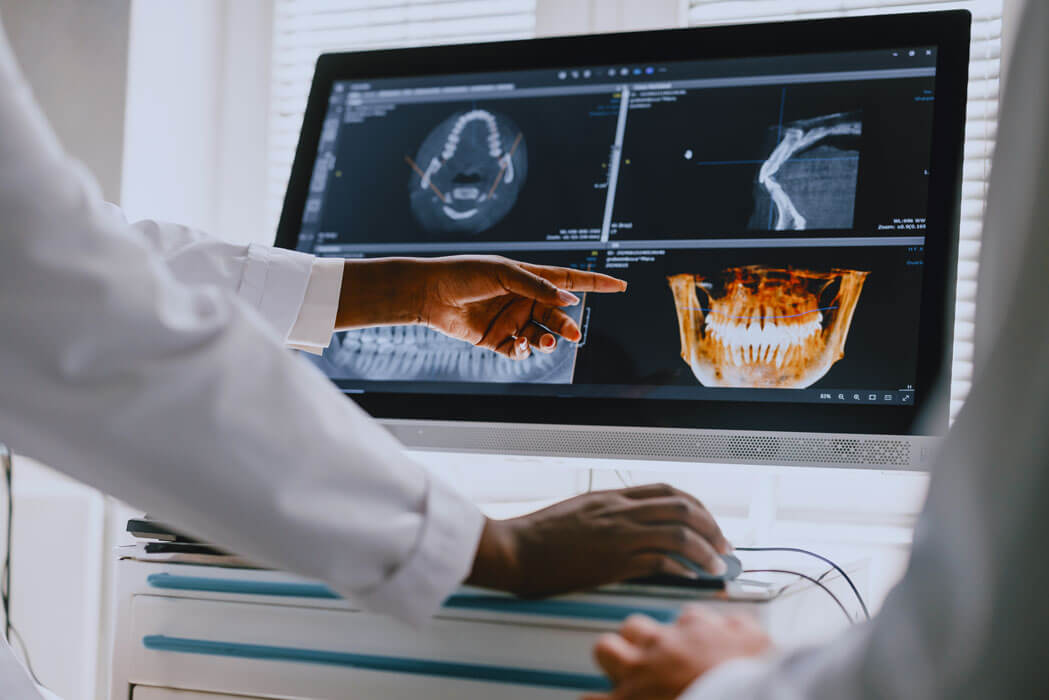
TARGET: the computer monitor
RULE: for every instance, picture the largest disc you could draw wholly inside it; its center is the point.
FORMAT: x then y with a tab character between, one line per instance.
783	200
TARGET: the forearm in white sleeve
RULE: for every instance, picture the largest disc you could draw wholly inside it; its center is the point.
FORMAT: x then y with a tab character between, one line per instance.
297	294
180	400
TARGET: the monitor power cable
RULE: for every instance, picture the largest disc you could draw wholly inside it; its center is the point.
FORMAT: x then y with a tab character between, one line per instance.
798	550
814	581
5	579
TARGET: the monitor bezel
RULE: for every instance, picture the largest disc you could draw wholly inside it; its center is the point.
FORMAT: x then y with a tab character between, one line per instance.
948	31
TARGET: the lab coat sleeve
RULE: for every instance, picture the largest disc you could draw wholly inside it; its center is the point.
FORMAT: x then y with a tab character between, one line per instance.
968	619
180	399
296	293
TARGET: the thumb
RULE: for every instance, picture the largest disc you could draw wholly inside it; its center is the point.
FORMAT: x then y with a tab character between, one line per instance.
517	280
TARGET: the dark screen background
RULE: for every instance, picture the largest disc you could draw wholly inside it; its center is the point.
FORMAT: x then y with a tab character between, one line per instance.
666	196
568	142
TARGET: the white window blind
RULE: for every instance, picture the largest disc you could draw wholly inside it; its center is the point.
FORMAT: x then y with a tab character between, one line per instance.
981	121
304	29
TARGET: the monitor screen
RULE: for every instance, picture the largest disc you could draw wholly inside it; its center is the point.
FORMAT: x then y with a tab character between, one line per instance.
769	212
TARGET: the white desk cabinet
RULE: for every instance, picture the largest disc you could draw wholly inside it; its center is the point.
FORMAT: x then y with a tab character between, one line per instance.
188	632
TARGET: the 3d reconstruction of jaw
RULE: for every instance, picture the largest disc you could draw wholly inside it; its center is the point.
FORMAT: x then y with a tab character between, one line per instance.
468	173
809	180
762	327
416	353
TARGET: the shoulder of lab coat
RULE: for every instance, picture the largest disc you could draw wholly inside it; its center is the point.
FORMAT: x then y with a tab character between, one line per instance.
178	398
297	294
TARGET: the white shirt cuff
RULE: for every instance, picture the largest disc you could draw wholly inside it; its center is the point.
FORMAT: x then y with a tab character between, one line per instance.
275	282
442	559
729	680
316	322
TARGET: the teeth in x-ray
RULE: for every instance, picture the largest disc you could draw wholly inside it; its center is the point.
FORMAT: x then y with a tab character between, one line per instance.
476	151
416	353
764	327
495	142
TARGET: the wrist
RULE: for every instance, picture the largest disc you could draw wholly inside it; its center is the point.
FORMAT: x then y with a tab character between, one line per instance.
497	562
380	292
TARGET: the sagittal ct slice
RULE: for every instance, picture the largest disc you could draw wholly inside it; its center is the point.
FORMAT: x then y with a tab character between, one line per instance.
761	327
468	173
809	179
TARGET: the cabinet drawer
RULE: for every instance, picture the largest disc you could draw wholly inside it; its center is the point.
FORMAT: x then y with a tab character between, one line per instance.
288	651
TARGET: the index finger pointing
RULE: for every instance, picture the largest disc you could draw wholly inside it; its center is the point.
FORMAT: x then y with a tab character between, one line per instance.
577	280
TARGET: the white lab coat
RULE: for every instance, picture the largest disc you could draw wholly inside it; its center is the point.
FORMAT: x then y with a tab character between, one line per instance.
147	361
969	618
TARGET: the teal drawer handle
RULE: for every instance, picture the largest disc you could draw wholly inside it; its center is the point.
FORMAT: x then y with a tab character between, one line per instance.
556	608
391	664
241	587
581	610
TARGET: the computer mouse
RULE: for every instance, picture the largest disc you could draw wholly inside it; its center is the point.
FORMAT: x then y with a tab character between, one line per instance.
733	568
703	580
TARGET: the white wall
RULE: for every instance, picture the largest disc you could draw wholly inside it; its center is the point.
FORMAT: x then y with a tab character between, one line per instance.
196	115
554	17
74	54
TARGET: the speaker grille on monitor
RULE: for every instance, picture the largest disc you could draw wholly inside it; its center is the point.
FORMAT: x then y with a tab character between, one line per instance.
647	443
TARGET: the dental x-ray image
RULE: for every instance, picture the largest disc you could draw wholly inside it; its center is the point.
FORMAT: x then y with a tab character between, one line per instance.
418	354
763	327
828	159
757	318
809	179
468	173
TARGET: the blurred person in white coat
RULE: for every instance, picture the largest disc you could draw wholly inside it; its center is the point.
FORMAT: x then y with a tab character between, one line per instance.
149	361
968	619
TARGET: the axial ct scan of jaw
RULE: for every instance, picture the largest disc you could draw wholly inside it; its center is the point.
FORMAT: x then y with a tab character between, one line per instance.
809	179
760	327
468	173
